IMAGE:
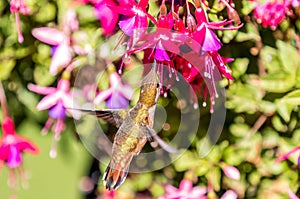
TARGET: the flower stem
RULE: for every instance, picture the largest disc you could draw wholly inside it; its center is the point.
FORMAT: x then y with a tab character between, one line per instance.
3	101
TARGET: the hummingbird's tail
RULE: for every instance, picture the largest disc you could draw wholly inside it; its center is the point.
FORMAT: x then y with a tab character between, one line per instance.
116	172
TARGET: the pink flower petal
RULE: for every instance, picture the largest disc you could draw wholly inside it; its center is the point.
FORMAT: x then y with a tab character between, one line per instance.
211	41
61	58
127	25
292	195
48	101
27	145
170	189
69	103
197	192
41	89
186	185
107	16
50	36
229	194
4	152
231	172
103	95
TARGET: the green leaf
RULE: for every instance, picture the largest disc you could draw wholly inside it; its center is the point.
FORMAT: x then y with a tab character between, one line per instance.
278	124
6	66
214	177
251	34
297	84
186	161
288	55
292	98
239	130
270	60
42	76
284	110
278	82
239	67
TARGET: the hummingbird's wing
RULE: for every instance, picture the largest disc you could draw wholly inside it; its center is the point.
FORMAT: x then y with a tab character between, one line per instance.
112	116
152	136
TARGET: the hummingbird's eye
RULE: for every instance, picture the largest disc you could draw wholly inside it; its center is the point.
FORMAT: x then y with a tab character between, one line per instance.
157	85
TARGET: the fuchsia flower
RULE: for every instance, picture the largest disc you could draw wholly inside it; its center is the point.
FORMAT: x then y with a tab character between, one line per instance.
58	101
135	16
19	6
117	95
271	13
104	13
185	190
13	145
61	40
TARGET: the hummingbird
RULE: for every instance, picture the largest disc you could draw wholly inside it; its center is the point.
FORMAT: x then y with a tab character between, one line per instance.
135	128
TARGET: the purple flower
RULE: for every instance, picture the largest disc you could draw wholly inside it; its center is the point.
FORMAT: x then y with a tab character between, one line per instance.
185	190
19	6
61	40
117	95
57	101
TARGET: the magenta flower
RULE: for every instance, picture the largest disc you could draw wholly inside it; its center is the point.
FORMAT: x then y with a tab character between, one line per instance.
185	191
108	18
135	16
58	101
288	154
117	95
231	172
61	41
271	13
12	147
204	34
16	7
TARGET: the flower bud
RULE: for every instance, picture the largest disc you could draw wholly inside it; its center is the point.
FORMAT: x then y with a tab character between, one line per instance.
231	172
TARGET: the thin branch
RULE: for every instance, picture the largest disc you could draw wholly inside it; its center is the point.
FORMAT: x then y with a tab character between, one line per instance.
3	101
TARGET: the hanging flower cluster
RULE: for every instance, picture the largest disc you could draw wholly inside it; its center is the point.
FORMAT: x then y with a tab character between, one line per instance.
272	12
177	40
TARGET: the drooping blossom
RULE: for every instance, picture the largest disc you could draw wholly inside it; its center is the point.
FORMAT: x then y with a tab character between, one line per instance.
62	43
135	16
58	101
185	190
231	172
229	194
288	154
118	95
271	13
17	7
107	16
12	147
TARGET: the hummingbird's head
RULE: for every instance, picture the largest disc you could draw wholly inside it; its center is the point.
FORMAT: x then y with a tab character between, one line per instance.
150	89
